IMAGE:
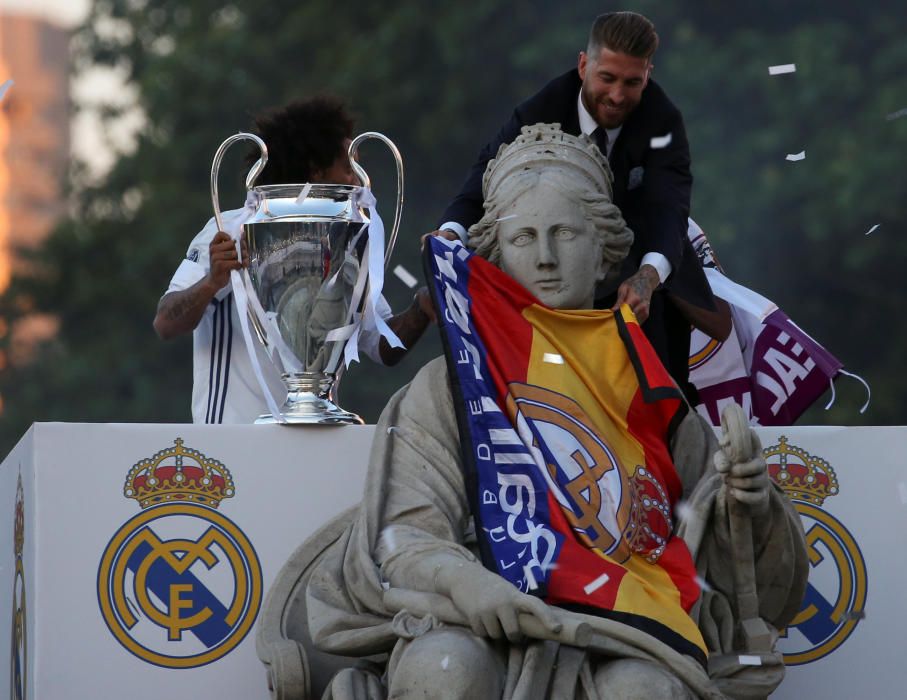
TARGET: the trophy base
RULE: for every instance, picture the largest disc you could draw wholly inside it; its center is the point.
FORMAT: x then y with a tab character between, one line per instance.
306	408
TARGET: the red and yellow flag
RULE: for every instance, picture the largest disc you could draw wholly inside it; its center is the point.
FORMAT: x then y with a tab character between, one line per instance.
565	419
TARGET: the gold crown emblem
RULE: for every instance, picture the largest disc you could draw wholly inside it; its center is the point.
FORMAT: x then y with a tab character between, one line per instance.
178	474
801	476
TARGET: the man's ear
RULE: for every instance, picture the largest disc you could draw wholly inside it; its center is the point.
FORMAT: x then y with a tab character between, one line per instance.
581	65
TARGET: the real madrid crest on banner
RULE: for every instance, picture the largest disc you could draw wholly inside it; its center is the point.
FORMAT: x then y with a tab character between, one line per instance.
18	640
836	593
179	584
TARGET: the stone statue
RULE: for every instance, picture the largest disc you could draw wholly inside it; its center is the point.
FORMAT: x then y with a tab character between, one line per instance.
401	586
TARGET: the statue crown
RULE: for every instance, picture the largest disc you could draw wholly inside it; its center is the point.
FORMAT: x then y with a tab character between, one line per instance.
547	144
178	473
802	476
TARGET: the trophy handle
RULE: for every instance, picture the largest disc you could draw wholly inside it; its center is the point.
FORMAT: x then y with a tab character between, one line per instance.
366	181
254	171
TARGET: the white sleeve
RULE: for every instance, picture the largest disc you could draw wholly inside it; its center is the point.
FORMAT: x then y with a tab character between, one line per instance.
659	262
196	264
456	228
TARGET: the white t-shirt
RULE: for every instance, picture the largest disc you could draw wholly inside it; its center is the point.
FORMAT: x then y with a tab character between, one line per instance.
224	387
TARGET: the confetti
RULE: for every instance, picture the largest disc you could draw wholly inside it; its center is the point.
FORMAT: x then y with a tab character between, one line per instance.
304	193
530	578
902	490
703	584
390	542
891	117
590	588
660	141
445	662
404	276
391	429
6	86
552	358
782	69
749	660
796	156
683	510
872	229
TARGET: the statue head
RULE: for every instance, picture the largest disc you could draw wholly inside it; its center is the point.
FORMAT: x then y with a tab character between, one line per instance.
549	221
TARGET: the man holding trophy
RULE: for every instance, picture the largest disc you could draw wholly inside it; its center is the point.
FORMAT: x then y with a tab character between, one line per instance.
308	143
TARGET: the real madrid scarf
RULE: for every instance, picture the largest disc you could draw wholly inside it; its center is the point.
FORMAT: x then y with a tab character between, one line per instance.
565	419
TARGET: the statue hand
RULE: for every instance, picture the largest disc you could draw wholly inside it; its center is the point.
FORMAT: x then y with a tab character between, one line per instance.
747	481
492	606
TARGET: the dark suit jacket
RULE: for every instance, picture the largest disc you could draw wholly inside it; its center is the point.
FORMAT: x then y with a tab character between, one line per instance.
651	186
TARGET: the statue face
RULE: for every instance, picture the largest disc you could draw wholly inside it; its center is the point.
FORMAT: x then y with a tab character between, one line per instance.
550	249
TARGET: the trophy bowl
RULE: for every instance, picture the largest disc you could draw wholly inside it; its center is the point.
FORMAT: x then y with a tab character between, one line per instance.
305	245
303	264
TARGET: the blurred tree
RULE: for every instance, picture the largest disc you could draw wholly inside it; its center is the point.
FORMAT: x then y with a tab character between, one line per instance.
439	79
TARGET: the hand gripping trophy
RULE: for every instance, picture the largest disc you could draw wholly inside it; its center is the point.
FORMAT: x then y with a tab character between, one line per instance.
316	268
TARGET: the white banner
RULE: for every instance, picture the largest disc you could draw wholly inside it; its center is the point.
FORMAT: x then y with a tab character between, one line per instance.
141	554
158	600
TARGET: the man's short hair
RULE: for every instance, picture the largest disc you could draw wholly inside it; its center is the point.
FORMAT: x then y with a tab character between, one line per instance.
303	137
623	32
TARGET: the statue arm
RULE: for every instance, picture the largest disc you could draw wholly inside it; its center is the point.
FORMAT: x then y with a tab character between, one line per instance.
780	563
423	545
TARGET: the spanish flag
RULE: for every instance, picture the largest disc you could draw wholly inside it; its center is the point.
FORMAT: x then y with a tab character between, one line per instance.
565	418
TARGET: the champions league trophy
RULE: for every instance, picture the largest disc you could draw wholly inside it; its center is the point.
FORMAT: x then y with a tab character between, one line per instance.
315	269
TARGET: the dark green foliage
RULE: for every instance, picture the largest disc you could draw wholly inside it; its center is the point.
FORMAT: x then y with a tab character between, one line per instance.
439	78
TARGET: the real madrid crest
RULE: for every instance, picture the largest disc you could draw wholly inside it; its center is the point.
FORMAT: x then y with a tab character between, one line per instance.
836	592
179	584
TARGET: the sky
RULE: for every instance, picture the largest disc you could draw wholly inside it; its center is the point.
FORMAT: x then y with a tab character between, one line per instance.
64	12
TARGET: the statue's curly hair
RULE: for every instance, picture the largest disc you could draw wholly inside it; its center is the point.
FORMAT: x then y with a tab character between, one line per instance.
303	137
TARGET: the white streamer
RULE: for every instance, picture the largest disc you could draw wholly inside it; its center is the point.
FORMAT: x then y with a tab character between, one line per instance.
3	88
242	305
369	319
304	193
831	401
865	386
859	379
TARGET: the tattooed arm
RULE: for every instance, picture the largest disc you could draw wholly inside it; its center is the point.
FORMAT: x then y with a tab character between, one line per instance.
179	312
636	291
409	327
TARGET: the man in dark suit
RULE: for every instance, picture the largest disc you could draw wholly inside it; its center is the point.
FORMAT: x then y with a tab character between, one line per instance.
610	98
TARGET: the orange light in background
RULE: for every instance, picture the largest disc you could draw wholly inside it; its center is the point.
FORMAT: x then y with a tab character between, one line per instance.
4	185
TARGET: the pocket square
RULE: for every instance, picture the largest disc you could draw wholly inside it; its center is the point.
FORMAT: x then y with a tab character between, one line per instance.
634	180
